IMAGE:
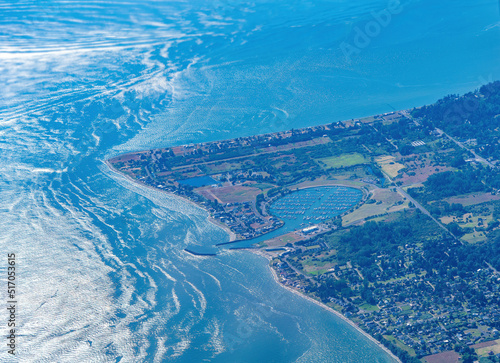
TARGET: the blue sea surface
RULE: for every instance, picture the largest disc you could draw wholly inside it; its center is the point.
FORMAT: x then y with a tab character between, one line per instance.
102	275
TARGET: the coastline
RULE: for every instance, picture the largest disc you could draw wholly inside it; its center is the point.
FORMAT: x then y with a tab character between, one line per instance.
320	304
258	251
233	238
232	235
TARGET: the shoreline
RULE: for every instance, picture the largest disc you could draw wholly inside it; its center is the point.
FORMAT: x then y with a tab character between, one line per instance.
259	252
326	307
232	235
363	190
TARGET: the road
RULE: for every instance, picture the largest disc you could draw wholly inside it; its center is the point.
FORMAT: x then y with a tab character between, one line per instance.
403	193
492	268
477	157
425	211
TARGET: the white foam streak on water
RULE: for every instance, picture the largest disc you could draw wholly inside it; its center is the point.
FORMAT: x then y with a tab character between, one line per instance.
168	276
152	292
176	301
216	342
180	347
42	244
157	197
202	301
215	279
161	349
103	271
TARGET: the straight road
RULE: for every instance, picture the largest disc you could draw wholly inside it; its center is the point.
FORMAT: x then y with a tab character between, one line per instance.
477	157
403	193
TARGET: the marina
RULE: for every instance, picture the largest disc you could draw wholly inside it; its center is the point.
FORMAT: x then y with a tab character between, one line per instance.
306	207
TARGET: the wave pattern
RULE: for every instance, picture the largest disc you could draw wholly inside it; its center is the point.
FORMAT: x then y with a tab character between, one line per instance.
103	276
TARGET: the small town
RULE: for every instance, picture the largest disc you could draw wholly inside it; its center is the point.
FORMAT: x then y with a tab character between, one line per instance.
405	245
407	309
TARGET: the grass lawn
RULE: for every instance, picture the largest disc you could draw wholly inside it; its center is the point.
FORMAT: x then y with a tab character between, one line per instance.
343	160
282	240
318	267
410	276
474	332
233	193
222	166
312	247
317	272
495	348
368	307
387	199
474	237
263	186
400	345
426	316
484	360
288	239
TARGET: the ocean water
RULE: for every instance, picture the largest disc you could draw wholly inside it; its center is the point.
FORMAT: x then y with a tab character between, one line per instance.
102	275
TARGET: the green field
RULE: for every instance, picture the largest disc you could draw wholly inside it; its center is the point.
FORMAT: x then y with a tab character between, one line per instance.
342	161
262	186
315	266
368	307
401	345
474	237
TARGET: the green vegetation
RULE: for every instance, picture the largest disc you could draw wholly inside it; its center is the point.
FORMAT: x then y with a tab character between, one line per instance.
419	286
472	116
402	281
342	161
447	184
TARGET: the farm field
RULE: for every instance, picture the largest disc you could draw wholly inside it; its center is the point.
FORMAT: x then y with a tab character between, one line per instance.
384	201
231	193
484	349
376	258
472	199
343	161
389	166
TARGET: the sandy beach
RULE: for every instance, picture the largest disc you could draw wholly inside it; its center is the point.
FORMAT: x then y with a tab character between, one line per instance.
232	237
329	309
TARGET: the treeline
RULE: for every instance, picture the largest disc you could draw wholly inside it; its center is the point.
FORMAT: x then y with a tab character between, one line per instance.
361	245
332	288
449	183
403	355
465	116
443	208
384	244
444	257
474	115
469	179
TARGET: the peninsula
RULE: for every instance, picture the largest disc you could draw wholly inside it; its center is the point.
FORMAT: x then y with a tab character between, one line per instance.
413	261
